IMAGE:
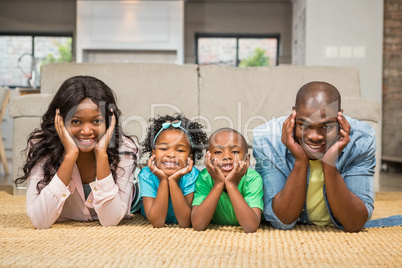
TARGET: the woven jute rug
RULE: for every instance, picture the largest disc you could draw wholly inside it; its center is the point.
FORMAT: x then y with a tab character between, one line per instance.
135	243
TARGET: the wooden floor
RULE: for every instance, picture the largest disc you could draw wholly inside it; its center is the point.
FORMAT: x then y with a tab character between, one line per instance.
389	181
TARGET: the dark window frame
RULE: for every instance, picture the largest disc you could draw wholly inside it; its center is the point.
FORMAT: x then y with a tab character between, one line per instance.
237	36
33	34
42	34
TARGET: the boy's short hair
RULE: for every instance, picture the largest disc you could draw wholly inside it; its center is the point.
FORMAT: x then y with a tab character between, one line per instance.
228	129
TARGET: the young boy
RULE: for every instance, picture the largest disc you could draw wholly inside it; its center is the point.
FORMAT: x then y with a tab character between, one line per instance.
227	191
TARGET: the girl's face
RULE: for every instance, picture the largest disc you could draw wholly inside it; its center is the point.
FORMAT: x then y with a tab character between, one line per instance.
86	126
172	148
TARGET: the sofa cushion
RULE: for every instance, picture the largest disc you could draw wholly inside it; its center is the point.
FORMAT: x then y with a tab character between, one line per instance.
243	98
143	90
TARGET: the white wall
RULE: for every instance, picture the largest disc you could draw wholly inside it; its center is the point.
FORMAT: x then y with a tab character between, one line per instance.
299	32
129	26
336	29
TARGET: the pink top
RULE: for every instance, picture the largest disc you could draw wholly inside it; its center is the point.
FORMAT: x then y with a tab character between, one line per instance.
108	201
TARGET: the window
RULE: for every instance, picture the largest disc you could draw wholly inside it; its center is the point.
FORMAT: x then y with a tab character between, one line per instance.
22	55
237	49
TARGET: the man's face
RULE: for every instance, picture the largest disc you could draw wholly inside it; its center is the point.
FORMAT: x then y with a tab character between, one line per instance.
316	128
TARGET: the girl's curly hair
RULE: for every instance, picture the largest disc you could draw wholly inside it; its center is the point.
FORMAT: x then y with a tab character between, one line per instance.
44	143
194	129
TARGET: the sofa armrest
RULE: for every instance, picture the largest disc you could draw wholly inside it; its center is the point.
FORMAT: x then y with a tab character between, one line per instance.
34	105
26	111
368	111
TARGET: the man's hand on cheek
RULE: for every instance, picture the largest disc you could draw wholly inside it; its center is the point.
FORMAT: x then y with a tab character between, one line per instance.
343	139
289	138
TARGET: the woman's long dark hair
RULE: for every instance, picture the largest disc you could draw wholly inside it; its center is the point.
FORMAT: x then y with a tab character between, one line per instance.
44	143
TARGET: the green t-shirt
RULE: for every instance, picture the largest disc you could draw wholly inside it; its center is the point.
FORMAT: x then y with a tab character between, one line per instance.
250	187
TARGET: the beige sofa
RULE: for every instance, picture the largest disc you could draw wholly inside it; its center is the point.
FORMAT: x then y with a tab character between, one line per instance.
241	98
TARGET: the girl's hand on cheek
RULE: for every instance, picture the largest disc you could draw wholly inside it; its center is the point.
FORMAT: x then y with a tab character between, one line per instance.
70	148
213	169
180	173
103	143
155	170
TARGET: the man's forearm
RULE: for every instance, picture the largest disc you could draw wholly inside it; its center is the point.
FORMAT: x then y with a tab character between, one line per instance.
288	203
348	209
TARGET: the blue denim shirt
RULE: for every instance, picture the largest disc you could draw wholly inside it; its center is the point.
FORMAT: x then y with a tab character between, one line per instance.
275	162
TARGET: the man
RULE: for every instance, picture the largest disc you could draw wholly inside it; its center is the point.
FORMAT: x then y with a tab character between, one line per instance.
317	165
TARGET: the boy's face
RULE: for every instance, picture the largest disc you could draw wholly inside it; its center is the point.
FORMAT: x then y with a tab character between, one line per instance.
227	148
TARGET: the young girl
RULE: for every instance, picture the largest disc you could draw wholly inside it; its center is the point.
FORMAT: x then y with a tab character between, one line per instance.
167	183
79	164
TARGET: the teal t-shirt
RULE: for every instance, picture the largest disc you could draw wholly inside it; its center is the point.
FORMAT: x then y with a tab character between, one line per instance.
149	184
250	187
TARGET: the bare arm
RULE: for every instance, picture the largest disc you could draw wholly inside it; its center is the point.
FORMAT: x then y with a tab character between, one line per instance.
202	215
181	204
249	218
43	208
156	208
102	161
70	150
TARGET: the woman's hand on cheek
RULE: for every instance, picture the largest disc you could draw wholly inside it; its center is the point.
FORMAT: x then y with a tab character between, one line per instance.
155	170
103	143
70	148
180	173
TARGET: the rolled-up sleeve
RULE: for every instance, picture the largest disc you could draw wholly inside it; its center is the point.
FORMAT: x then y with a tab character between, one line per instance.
112	200
44	207
273	181
273	166
359	175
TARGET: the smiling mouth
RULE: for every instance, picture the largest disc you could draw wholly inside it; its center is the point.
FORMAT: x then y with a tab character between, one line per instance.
86	141
226	167
315	147
170	165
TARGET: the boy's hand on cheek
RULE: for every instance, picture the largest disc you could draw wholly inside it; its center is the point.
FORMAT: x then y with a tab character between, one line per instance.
155	170
213	170
238	172
180	173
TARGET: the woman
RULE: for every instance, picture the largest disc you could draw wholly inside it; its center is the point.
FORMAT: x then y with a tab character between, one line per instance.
79	165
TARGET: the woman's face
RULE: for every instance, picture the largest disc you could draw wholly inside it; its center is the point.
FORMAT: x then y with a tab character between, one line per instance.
172	149
86	126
